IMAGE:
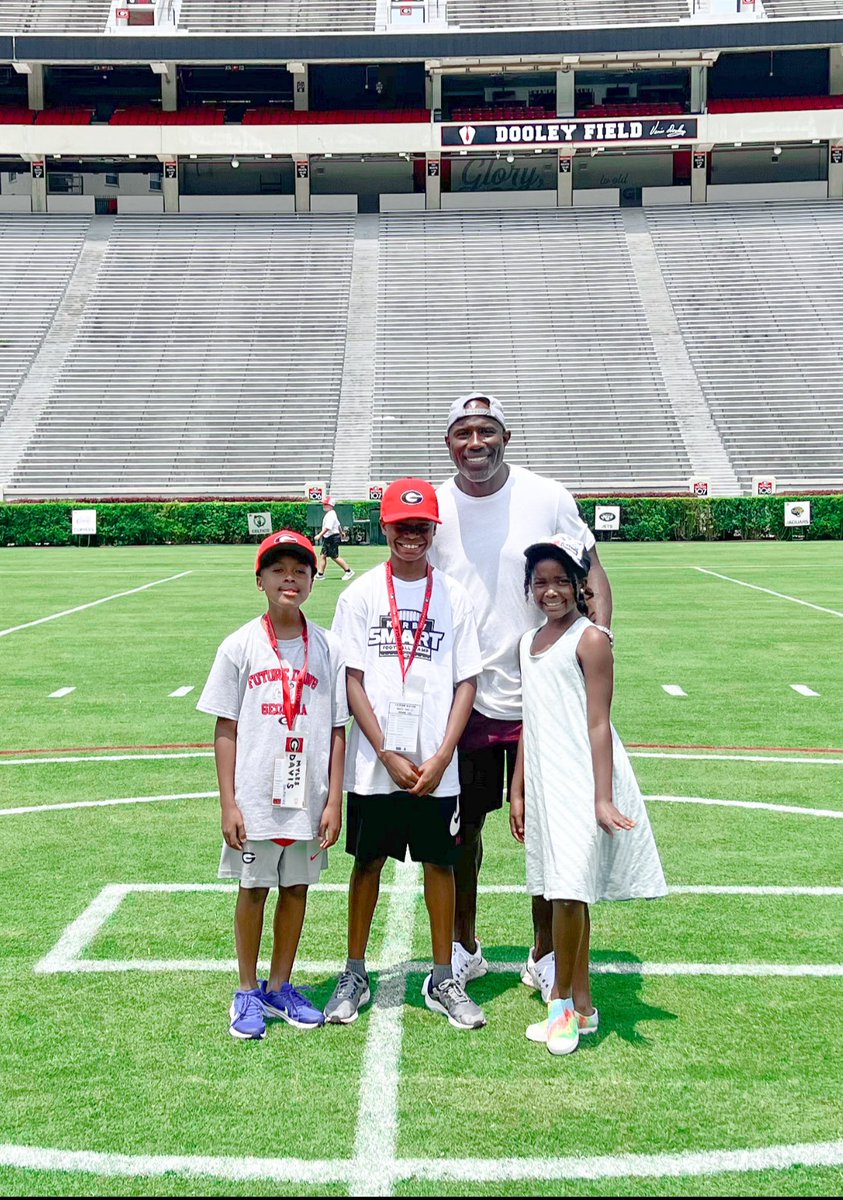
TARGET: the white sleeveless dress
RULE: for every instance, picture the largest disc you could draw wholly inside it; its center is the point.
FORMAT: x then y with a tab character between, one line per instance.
569	857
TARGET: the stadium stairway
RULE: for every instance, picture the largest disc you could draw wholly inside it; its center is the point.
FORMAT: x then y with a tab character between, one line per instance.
352	462
706	452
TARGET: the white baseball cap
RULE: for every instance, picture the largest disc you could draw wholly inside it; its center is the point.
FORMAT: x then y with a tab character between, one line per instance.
476	404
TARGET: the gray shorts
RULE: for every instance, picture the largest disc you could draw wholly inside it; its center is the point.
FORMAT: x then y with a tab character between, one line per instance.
265	864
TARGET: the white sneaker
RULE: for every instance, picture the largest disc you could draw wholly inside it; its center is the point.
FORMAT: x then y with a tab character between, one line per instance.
467	966
587	1025
349	575
318	576
540	975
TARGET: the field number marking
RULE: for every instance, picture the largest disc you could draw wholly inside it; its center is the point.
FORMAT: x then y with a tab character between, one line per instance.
183	691
93	603
803	689
769	591
673	689
57	695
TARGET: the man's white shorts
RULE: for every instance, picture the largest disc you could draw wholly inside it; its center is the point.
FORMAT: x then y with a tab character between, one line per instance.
265	864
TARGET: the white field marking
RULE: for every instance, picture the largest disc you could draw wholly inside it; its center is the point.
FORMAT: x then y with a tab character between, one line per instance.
37	808
64	691
373	1171
673	689
803	689
36	762
93	603
483	1170
770	592
789	809
747	970
183	691
757	758
81	932
700	1162
500	889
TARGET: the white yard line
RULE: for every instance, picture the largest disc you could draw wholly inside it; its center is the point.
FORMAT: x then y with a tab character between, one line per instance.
63	691
803	689
38	808
756	758
673	689
769	592
183	691
85	758
790	809
93	603
373	1169
482	1170
81	932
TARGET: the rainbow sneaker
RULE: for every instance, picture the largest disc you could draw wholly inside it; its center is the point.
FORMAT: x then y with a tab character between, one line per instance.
563	1034
589	1024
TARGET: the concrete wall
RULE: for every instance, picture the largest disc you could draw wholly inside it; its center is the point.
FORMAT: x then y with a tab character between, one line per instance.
237	204
597	198
333	204
402	202
71	204
15	204
665	195
140	204
809	190
471	201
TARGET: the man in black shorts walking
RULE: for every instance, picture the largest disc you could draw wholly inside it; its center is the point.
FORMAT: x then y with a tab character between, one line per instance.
331	535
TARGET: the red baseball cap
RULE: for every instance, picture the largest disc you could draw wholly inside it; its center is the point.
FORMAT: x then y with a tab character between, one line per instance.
298	544
407	499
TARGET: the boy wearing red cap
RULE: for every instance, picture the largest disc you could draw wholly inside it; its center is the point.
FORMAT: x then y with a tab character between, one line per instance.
411	652
277	689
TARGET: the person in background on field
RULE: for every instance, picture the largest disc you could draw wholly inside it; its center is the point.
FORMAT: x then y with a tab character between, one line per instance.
490	512
575	802
277	689
331	535
411	651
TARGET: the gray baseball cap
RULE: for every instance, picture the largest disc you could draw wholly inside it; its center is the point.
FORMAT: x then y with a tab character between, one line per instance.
476	404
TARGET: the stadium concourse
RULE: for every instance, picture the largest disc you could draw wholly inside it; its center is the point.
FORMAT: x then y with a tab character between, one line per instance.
226	355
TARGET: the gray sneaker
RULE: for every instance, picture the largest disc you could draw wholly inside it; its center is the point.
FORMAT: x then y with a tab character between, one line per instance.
450	1000
351	991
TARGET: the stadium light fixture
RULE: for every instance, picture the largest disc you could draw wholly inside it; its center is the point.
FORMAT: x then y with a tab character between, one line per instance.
570	60
235	162
22	68
510	158
158	68
194	156
777	150
296	68
738	145
267	156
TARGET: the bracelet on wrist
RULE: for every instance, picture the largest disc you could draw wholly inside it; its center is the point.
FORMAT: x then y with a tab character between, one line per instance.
605	629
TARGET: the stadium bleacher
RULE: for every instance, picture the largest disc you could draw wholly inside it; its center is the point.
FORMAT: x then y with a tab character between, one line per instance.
54	16
277	16
38	256
798	9
540	307
759	301
208	361
523	14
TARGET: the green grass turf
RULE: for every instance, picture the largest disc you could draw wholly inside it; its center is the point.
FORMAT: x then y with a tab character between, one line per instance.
142	1064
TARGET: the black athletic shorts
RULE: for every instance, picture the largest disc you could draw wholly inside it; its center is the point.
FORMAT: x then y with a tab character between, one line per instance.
331	545
482	774
385	826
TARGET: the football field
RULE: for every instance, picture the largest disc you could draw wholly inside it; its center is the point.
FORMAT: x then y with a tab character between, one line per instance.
716	1070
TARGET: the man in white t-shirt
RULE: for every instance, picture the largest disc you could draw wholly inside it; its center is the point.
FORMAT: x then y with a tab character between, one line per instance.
331	535
490	513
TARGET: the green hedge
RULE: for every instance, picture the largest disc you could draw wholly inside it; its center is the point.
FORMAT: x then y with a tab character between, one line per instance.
643	519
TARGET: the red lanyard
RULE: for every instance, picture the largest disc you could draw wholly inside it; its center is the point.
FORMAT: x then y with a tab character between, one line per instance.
291	708
397	628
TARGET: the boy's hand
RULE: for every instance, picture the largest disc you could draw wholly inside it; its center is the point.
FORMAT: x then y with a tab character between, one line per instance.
516	816
233	827
330	825
401	770
610	819
429	775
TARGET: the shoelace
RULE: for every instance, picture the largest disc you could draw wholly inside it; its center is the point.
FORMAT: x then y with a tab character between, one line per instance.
298	999
347	985
451	990
250	1005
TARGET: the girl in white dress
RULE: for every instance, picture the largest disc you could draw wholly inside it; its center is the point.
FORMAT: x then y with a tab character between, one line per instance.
575	801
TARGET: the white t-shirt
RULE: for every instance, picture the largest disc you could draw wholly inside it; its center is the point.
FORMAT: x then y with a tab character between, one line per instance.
481	544
331	523
448	653
245	686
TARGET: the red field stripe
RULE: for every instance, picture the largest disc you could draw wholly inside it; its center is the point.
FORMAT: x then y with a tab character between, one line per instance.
210	746
775	749
108	749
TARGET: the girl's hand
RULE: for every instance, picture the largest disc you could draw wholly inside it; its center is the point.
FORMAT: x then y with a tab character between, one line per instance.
233	827
516	816
429	775
401	770
330	825
610	819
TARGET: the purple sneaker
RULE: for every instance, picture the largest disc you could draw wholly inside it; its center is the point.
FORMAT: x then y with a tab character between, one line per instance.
291	1006
246	1015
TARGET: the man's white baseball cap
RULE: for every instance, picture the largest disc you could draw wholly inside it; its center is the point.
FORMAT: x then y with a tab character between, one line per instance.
476	404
